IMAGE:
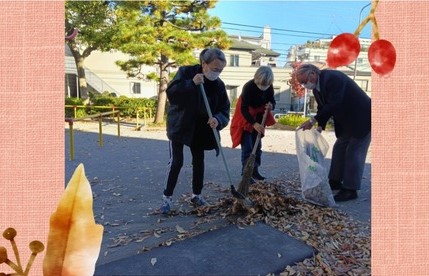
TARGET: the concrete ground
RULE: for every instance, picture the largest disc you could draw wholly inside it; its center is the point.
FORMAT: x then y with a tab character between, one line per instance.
250	250
127	175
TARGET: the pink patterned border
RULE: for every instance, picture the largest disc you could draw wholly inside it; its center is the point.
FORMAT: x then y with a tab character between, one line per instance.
31	117
32	131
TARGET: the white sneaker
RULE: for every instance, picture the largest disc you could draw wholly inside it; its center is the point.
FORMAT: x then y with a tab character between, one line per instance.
198	200
166	204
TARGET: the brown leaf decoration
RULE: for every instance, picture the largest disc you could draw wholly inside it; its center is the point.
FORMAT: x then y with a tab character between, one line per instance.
74	239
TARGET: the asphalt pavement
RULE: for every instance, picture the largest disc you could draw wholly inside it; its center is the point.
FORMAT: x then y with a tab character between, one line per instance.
127	175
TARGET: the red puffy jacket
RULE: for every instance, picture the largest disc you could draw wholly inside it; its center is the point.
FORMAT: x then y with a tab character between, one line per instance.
240	124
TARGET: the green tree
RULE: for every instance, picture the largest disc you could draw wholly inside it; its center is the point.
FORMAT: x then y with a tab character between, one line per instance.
95	23
165	34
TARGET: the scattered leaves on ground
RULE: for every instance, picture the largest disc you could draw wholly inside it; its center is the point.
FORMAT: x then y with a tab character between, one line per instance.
342	245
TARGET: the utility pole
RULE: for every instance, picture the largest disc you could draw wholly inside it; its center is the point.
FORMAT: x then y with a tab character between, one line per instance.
305	102
360	18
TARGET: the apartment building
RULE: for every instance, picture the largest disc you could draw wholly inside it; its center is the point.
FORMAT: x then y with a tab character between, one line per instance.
244	56
316	52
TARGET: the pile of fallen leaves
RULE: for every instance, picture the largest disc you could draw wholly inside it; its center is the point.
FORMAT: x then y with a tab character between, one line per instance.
343	245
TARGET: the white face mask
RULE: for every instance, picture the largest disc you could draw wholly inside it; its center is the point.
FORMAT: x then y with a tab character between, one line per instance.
212	75
309	85
263	88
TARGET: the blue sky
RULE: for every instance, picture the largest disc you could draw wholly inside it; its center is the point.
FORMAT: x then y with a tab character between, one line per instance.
296	21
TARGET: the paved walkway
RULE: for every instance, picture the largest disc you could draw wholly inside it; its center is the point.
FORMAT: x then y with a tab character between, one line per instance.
127	175
250	250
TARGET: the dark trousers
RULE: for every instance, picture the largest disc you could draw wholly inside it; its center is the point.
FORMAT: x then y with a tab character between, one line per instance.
247	142
348	160
175	165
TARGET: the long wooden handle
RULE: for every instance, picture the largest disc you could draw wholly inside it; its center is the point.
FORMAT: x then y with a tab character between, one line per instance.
258	138
215	133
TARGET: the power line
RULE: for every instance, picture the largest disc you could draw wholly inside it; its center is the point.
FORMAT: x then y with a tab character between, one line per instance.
276	29
281	43
273	33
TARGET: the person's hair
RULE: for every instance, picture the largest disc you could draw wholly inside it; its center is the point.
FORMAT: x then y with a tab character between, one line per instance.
307	68
264	76
209	54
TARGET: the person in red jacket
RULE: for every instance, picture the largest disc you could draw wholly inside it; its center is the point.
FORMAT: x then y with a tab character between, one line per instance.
188	122
256	96
338	96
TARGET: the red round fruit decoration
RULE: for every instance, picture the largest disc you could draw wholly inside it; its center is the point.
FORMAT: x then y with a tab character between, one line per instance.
382	56
343	50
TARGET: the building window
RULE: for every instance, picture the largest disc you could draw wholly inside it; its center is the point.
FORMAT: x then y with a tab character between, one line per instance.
234	61
136	88
316	58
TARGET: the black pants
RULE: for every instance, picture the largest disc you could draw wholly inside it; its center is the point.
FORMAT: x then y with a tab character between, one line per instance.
175	165
348	160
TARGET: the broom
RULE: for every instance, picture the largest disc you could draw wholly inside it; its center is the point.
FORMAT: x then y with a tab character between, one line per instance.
243	188
234	192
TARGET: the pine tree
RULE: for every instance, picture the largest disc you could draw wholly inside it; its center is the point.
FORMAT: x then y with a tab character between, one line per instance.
165	34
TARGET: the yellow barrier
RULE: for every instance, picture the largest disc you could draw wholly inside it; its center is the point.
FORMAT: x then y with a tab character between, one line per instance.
100	128
147	112
70	121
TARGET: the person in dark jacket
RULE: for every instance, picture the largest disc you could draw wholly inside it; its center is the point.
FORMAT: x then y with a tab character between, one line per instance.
188	122
338	96
257	96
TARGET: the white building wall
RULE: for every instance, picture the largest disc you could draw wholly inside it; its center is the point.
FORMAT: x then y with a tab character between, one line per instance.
236	77
103	65
245	59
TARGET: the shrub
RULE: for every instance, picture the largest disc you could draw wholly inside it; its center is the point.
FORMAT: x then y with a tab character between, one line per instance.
292	120
69	111
105	102
127	106
101	103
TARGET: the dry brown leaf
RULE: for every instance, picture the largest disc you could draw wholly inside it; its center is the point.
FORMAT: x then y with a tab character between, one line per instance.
180	230
341	244
74	239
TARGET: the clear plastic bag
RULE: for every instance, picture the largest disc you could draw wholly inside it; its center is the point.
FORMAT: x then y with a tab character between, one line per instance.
311	150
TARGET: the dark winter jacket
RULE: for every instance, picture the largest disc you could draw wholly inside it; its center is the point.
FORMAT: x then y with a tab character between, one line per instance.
250	108
253	97
187	115
341	98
